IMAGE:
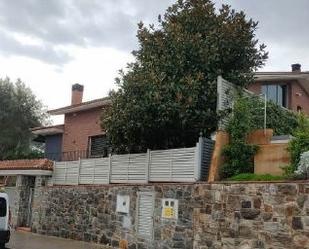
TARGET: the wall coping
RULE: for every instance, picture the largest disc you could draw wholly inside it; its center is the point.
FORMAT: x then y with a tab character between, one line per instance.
178	184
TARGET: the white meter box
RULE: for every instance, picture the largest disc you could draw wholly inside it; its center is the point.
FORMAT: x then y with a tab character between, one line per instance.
170	209
123	204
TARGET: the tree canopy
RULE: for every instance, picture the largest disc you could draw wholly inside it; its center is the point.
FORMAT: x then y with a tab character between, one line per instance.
167	97
19	111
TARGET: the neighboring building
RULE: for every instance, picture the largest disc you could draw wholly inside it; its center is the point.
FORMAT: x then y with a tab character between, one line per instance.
288	89
81	135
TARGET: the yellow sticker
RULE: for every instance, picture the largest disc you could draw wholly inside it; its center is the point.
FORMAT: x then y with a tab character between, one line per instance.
168	212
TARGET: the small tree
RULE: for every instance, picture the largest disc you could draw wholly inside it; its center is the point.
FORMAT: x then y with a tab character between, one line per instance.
19	111
168	95
238	154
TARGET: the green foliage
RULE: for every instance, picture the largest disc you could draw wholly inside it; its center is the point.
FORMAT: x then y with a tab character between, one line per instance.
288	171
168	95
20	111
238	154
300	142
254	177
248	115
28	153
281	120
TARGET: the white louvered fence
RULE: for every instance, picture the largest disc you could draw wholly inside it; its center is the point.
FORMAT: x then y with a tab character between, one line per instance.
174	165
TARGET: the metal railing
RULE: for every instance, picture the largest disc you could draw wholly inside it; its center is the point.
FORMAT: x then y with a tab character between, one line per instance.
75	155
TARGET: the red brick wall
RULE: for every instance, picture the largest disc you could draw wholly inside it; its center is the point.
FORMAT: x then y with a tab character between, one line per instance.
294	99
299	98
78	127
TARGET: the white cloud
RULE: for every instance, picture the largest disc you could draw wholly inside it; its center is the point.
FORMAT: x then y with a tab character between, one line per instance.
96	68
52	44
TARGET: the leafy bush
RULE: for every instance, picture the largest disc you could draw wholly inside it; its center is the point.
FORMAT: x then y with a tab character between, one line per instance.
281	120
300	143
303	166
254	177
31	154
248	115
238	154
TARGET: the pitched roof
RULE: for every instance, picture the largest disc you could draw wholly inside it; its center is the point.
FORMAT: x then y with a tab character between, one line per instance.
82	106
48	130
301	77
26	164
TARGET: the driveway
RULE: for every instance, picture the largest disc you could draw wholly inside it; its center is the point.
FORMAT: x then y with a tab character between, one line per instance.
24	240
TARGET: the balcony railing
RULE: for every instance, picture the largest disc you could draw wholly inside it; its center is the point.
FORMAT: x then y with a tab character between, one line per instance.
75	155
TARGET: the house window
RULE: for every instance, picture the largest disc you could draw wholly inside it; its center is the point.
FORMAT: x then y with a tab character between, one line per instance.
276	94
98	146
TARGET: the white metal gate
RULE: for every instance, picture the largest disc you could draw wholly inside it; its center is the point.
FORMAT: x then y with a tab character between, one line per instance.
145	209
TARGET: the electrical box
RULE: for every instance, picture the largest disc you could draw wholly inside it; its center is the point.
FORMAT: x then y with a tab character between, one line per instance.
170	209
123	204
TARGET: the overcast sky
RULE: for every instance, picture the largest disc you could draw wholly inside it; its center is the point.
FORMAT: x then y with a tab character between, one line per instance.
51	44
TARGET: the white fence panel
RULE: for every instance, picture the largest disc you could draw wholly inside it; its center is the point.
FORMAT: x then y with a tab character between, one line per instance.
101	171
176	165
86	171
94	171
66	173
72	173
59	174
130	168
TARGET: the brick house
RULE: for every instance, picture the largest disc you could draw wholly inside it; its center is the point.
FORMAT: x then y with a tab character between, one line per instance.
81	135
288	89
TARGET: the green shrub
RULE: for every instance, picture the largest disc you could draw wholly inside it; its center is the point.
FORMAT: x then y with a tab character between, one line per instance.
254	177
238	154
300	142
281	120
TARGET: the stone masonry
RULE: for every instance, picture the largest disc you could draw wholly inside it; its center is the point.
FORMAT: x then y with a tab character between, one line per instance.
210	216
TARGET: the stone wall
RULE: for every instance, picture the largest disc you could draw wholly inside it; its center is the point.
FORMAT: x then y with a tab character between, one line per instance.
261	215
24	185
19	197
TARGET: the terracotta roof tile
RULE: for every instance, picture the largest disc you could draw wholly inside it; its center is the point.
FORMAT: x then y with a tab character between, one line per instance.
31	164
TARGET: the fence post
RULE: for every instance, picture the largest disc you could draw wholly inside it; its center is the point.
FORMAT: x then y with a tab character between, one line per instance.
219	93
65	173
109	168
128	168
171	164
79	166
147	165
93	173
54	174
198	158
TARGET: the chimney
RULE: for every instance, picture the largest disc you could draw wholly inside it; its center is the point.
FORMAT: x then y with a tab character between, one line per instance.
77	94
296	68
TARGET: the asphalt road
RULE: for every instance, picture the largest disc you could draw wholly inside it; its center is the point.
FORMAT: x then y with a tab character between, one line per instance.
24	240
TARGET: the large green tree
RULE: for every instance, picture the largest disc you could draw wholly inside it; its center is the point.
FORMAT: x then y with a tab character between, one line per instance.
167	97
19	111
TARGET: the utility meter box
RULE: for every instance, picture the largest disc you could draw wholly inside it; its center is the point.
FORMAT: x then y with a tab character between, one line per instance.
123	204
170	209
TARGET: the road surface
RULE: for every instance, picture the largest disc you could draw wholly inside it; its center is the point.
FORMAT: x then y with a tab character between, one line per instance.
25	240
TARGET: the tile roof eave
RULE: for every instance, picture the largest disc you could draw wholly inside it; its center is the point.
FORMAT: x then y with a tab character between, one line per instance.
27	164
81	107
